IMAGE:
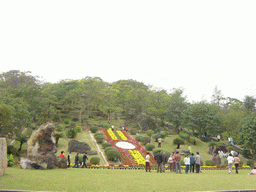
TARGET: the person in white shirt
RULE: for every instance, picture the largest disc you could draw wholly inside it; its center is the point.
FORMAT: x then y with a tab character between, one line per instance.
187	163
170	161
230	162
147	161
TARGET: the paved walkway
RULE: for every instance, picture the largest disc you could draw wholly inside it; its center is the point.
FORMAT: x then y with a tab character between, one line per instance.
98	149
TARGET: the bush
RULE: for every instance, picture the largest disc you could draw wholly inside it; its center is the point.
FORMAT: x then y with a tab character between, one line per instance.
108	149
192	140
145	140
11	150
209	163
95	160
205	139
93	129
184	136
226	162
99	138
250	162
155	151
10	160
149	147
156	136
150	132
246	153
138	137
178	141
71	133
133	131
78	129
97	133
168	153
166	133
202	163
230	148
113	155
105	145
59	128
241	162
66	121
182	163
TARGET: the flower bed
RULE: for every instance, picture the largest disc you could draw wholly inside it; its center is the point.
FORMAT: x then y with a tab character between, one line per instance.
133	156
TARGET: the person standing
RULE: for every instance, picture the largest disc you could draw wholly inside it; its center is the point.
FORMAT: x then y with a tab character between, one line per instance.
69	157
177	163
84	160
147	162
192	163
218	137
164	161
197	162
170	161
236	161
187	163
76	161
173	162
159	141
230	162
159	160
229	141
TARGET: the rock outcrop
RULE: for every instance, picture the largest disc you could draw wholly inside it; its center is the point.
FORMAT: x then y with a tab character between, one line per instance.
80	147
41	150
3	156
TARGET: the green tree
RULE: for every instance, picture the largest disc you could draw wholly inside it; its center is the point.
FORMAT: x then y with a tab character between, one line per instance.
178	141
249	103
248	133
5	119
177	105
202	117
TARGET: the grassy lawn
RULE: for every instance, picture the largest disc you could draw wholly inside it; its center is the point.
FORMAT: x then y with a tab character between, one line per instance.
123	180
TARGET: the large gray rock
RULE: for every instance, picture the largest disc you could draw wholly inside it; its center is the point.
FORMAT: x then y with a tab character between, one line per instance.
80	147
3	156
41	150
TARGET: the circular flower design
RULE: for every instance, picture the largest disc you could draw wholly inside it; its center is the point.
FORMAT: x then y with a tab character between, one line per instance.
125	145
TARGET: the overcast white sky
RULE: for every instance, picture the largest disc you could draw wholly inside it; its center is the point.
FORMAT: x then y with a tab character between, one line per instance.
168	44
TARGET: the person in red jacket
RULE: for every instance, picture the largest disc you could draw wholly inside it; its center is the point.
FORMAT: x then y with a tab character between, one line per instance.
62	154
178	166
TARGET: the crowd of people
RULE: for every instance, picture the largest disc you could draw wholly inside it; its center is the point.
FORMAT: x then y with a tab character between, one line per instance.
192	163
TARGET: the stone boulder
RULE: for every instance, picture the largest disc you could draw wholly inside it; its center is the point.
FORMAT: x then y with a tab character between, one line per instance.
80	147
41	150
3	156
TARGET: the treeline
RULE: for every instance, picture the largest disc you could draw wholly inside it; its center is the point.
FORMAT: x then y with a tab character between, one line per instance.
27	102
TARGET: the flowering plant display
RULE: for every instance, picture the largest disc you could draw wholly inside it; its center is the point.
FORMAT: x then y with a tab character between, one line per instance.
132	153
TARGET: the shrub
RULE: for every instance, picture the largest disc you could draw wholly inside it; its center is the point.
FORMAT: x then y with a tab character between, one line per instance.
99	138
59	128
241	162
209	163
113	155
149	147
250	162
182	163
184	136
108	149
66	121
150	132
156	136
246	153
202	163
230	148
71	133
178	141
95	160
155	151
105	145
226	162
163	134
133	131
78	129
205	139
168	153
166	133
11	150
97	133
93	129
192	140
10	160
138	137
145	140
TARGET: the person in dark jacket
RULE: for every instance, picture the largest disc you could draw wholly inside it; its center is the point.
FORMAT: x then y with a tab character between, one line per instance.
84	160
192	163
76	161
69	158
159	160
